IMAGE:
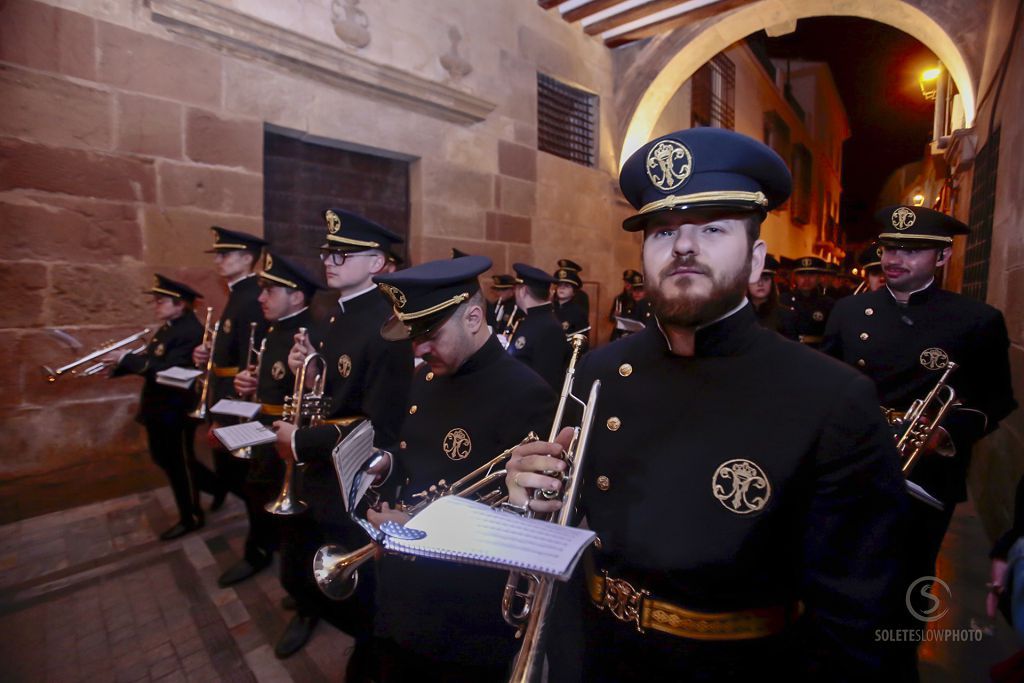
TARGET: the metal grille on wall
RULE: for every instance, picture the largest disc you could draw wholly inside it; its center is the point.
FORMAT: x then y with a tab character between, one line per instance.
714	94
983	202
566	119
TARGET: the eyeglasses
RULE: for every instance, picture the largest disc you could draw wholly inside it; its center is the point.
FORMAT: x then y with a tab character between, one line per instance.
338	258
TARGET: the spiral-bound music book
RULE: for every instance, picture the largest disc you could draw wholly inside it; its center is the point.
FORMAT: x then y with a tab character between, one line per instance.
464	531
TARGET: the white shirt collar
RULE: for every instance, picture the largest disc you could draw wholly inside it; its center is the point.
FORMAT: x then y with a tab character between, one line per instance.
231	285
292	315
349	297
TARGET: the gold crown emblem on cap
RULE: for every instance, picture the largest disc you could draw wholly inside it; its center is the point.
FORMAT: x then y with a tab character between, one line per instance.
806	263
395	294
669	164
333	222
903	218
561	273
268	262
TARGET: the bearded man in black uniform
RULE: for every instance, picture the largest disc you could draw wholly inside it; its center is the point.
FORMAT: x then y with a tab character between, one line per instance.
164	409
235	254
366	377
440	622
285	291
740	537
903	336
538	340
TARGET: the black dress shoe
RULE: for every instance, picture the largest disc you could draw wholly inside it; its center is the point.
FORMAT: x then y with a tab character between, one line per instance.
240	571
295	636
288	603
218	500
179	530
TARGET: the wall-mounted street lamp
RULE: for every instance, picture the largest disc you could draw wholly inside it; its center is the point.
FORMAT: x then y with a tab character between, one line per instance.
930	82
918	200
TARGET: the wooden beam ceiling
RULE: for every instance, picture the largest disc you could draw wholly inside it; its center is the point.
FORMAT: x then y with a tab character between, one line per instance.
638	14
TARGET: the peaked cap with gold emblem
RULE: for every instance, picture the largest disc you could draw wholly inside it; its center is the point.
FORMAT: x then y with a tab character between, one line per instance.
350	232
280	272
425	296
165	286
703	168
530	275
503	281
870	257
771	264
567	264
915	227
568	277
232	240
810	264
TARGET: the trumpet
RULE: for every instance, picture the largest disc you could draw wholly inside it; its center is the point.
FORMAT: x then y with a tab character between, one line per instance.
301	409
53	375
529	616
919	423
245	452
337	572
209	338
510	327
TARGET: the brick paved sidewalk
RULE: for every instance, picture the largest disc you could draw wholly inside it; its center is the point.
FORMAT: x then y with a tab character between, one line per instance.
91	594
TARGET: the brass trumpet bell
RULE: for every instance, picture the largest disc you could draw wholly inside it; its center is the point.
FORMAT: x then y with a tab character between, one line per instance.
337	572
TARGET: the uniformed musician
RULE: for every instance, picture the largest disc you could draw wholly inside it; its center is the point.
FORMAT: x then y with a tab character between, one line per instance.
809	304
581	297
235	255
623	303
439	621
286	289
568	310
163	409
539	340
870	262
501	309
740	537
902	336
764	297
367	377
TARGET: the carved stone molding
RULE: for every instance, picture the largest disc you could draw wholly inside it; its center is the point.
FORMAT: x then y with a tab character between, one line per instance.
241	34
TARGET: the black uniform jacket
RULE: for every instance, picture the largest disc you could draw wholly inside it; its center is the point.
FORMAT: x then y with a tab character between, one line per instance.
571	315
540	343
818	519
904	348
170	346
231	349
808	315
440	610
276	380
367	376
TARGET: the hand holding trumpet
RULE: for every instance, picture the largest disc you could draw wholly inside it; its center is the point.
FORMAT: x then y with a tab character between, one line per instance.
299	351
246	383
530	468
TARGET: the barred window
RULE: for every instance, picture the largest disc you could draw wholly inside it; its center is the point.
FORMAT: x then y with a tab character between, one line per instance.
776	136
566	120
983	203
714	94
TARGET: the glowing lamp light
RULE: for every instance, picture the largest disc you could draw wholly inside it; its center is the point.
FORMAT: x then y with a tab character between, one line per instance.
918	200
929	82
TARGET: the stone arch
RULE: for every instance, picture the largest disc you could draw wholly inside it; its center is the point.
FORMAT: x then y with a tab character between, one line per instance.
671	59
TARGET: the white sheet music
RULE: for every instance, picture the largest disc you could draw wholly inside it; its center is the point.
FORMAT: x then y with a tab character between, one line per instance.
245	434
628	324
227	406
468	532
349	457
181	378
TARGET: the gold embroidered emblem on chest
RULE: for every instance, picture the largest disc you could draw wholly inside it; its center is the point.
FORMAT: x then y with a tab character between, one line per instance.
278	370
457	445
344	365
741	486
226	326
934	358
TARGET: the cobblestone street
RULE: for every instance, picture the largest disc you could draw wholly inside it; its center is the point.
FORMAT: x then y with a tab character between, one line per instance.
90	594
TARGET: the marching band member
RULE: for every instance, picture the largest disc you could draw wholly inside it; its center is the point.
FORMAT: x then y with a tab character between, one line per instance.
581	297
164	409
538	340
285	292
567	306
902	336
439	621
740	536
810	306
368	377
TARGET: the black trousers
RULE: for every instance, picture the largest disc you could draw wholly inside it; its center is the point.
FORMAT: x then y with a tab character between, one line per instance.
398	665
264	474
172	446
